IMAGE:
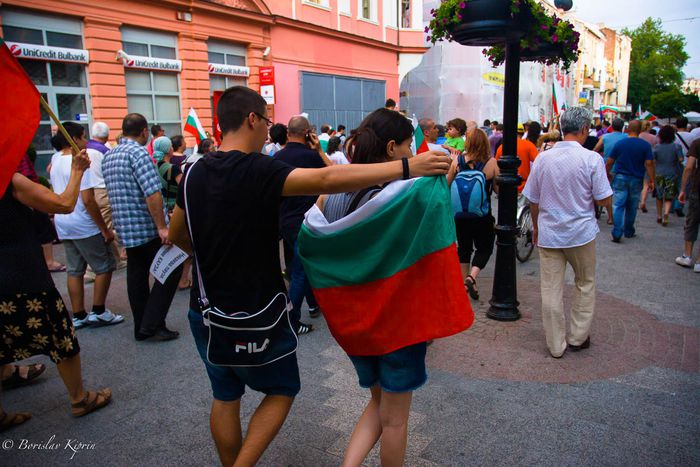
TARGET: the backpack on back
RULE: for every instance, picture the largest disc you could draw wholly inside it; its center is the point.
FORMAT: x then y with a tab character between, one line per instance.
470	198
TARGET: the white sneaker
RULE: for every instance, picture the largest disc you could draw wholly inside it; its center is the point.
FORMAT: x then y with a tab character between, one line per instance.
104	319
696	268
684	261
81	323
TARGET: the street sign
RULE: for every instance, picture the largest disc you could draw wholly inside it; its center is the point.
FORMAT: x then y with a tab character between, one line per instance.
81	117
267	91
267	84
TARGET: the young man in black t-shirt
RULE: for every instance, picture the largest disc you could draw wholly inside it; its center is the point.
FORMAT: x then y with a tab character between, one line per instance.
233	199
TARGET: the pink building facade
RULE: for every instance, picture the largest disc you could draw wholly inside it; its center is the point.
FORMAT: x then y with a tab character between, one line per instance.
98	60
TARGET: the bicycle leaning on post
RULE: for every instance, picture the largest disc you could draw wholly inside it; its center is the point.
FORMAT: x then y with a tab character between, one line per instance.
524	243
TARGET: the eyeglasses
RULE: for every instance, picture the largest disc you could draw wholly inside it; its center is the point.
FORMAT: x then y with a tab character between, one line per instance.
267	120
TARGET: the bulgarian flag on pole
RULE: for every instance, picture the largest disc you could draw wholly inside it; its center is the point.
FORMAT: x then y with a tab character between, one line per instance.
558	101
19	102
419	144
194	127
387	275
648	116
609	108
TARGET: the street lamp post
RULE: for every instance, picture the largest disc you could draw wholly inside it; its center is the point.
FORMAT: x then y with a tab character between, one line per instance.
504	301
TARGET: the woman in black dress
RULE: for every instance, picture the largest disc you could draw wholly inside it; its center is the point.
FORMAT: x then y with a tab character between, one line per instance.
33	317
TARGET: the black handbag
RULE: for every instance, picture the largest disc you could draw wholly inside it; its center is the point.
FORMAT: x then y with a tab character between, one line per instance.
241	338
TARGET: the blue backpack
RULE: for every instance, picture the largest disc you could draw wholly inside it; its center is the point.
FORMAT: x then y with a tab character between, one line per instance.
470	198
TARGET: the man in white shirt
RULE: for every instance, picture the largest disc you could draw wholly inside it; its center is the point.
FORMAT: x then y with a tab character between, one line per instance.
96	148
85	235
565	184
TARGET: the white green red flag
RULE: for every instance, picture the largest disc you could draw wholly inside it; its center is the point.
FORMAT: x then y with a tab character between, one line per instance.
194	127
419	144
648	116
609	108
19	101
558	101
639	111
387	275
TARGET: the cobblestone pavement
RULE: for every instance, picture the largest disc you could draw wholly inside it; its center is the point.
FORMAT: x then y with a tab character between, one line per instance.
494	397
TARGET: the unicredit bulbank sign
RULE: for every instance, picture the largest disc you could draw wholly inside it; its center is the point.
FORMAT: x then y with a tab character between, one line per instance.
229	70
43	52
149	63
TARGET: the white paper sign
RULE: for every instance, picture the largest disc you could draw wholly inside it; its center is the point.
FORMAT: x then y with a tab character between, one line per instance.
267	91
169	257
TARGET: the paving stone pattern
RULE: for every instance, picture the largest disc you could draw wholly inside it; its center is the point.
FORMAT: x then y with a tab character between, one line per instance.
493	397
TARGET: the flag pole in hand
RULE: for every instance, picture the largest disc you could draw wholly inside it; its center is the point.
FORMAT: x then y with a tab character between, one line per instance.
63	131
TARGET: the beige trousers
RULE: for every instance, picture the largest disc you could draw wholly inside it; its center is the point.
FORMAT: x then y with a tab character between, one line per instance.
552	268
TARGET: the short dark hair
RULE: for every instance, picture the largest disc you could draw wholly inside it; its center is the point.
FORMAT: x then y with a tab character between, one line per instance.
133	125
667	134
59	142
494	122
487	122
325	128
333	145
205	146
234	106
390	103
681	123
459	125
155	129
606	123
278	133
618	124
341	127
178	141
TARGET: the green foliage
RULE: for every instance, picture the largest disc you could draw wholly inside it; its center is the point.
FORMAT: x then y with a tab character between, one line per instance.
667	104
656	63
693	102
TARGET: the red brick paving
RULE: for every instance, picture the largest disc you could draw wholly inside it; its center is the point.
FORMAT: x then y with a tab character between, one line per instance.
624	339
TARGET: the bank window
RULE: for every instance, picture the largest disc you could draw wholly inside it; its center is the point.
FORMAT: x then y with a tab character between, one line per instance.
63	85
153	94
226	54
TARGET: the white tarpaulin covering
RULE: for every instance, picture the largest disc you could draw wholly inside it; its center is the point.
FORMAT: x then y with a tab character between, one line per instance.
457	81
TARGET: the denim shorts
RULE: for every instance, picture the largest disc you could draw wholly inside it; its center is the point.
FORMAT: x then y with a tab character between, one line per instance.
402	370
280	378
93	251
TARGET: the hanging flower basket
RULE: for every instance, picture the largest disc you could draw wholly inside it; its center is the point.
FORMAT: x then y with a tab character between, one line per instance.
543	38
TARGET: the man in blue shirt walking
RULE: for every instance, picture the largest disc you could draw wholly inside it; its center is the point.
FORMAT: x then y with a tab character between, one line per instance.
629	159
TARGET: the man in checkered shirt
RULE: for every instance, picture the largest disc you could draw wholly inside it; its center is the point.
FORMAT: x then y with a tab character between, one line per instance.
134	190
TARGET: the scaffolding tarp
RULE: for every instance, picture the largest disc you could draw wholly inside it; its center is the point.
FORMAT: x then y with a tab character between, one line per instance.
458	81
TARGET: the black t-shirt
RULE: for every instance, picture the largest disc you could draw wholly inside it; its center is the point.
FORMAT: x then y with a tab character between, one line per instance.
293	208
233	200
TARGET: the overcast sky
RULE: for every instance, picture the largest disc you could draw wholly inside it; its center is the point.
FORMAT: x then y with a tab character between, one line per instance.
677	16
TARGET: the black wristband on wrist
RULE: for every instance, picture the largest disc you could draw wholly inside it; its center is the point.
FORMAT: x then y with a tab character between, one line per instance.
406	174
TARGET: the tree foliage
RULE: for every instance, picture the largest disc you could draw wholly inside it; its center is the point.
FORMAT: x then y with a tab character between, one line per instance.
668	104
656	62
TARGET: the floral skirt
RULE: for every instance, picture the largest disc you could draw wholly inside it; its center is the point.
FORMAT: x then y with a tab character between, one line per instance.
665	188
33	324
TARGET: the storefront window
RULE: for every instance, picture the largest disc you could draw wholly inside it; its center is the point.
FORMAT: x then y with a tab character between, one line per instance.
154	94
63	85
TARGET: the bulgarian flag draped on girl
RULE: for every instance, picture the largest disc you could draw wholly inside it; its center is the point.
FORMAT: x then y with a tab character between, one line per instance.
19	101
387	275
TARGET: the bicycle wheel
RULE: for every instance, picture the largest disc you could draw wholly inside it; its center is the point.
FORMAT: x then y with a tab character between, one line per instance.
523	237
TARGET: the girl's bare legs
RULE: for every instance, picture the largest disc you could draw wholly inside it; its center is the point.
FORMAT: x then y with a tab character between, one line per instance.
385	419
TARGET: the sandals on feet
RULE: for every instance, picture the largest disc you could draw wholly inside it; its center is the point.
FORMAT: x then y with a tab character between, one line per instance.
11	420
15	380
93	400
470	284
304	328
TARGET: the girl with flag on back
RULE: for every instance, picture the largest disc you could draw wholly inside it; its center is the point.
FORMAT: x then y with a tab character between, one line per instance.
402	285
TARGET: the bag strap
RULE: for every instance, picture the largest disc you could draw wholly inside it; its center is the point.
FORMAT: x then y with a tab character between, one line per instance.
203	301
461	163
683	141
358	197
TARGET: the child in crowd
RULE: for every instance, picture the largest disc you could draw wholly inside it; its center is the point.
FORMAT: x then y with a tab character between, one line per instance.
456	128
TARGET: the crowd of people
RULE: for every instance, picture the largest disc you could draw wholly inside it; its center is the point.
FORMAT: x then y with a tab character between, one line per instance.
118	204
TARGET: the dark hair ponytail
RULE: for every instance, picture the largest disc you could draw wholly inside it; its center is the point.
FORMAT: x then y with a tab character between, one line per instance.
374	133
59	142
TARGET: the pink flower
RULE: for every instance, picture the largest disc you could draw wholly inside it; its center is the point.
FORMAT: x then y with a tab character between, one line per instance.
459	15
462	5
427	30
544	27
444	21
555	38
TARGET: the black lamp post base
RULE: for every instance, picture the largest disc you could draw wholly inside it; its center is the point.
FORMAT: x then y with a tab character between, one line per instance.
503	312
